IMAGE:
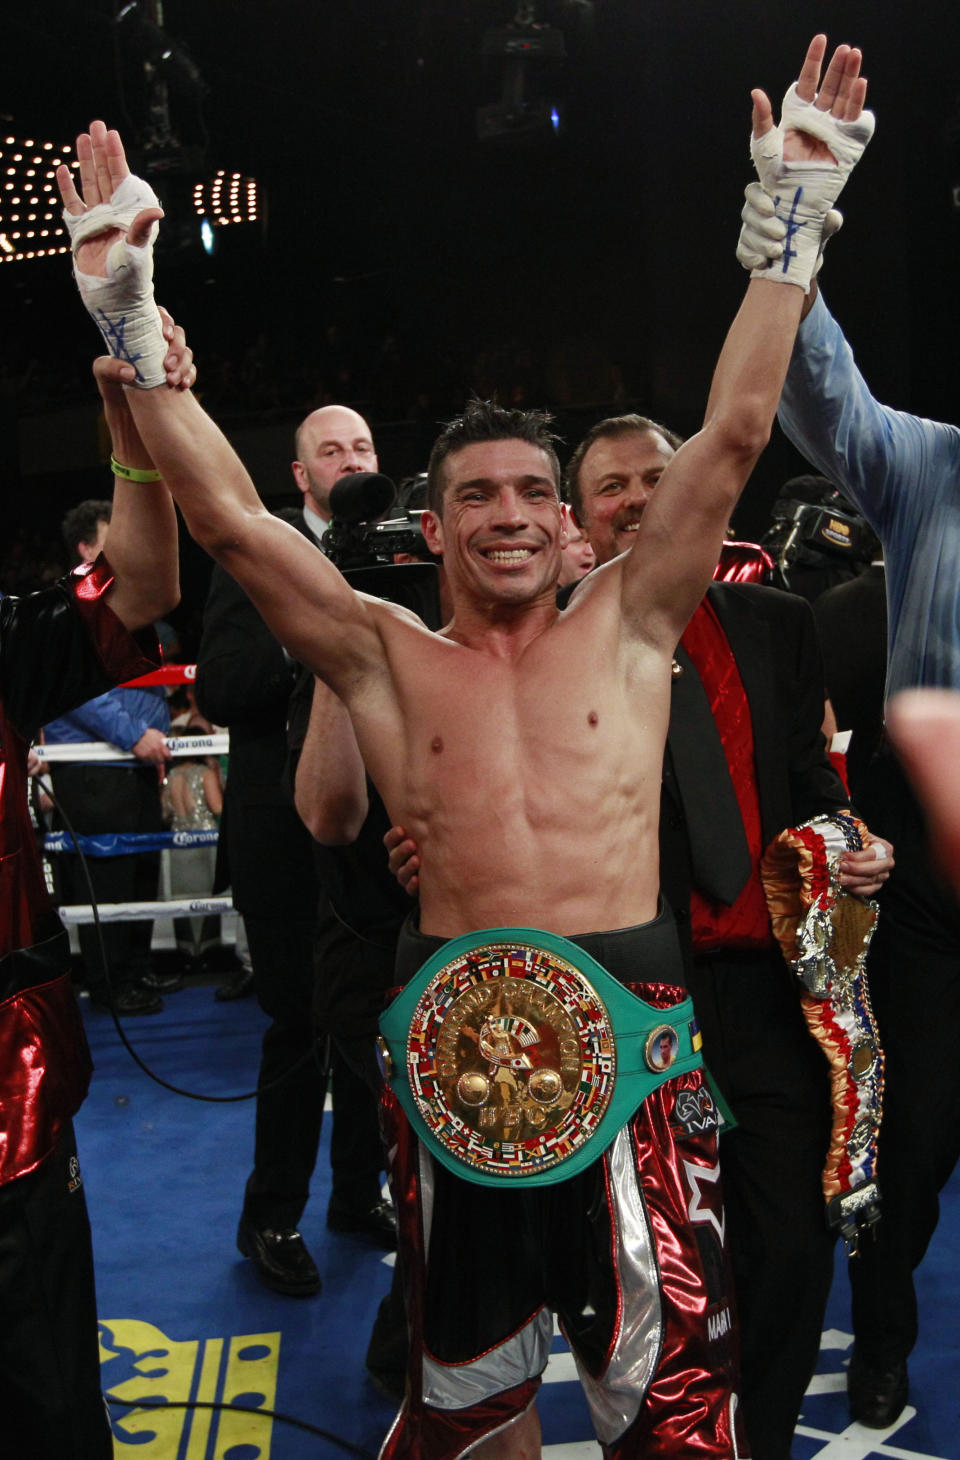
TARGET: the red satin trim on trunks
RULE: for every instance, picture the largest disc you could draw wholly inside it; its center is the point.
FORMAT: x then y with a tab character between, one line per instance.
46	1063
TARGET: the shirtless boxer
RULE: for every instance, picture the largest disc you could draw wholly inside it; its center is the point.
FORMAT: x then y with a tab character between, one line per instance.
491	742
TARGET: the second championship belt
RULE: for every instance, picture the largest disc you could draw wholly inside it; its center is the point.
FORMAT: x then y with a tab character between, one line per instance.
824	933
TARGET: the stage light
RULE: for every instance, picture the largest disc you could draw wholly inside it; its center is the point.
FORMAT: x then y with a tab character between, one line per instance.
29	176
527	58
225	200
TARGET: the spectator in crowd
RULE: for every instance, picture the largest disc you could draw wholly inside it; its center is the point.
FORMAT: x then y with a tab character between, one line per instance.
104	798
192	800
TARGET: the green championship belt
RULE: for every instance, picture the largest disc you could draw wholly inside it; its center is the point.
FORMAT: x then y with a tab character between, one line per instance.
517	1057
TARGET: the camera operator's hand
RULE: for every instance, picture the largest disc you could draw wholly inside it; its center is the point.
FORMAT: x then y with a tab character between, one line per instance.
403	860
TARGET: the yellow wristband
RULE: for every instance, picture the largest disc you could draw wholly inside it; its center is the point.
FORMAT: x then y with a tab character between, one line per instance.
134	473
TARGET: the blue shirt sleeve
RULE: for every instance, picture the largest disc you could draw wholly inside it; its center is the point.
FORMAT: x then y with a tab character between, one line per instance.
895	467
903	473
119	716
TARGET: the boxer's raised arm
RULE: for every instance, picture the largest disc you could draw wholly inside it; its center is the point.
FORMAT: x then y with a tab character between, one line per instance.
141	542
667	571
671	563
300	594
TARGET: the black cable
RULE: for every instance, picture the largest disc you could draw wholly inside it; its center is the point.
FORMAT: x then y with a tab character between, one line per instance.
288	1419
311	1054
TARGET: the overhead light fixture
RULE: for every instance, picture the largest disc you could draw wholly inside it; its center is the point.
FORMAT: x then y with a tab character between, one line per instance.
528	59
31	225
149	42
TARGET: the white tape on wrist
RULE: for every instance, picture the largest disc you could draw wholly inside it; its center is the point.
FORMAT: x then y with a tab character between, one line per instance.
761	238
803	193
121	303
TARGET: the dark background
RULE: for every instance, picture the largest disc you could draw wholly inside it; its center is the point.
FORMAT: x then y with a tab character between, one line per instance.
592	273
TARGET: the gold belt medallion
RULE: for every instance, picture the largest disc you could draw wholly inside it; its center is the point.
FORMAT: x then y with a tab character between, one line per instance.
511	1058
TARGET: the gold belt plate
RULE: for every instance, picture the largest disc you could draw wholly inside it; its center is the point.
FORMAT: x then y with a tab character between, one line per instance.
511	1058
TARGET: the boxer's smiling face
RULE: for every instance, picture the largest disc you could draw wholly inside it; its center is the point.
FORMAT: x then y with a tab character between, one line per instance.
500	531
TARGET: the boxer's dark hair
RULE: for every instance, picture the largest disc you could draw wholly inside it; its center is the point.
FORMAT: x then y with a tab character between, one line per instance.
484	420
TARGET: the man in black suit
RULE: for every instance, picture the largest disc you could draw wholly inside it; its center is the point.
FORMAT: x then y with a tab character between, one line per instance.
745	759
244	680
852	624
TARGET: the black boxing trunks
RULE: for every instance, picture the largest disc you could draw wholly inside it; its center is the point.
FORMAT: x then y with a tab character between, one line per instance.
629	1254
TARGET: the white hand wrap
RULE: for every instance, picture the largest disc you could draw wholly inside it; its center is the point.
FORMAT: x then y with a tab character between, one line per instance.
121	304
761	238
803	193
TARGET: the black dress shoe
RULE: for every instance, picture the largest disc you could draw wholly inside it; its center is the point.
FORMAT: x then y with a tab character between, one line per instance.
877	1393
281	1259
162	983
237	986
378	1222
127	1002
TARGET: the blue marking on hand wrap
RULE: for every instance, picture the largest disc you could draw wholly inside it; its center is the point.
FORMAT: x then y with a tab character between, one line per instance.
792	225
114	336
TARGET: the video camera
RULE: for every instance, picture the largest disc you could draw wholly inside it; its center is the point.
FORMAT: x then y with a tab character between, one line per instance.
822	528
357	536
362	545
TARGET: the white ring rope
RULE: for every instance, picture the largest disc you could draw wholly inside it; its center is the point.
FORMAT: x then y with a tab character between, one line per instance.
101	750
128	912
180	746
